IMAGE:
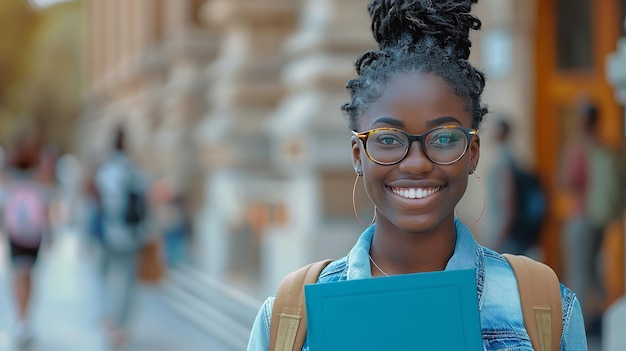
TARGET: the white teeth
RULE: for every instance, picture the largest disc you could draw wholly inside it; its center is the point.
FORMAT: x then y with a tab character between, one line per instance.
415	193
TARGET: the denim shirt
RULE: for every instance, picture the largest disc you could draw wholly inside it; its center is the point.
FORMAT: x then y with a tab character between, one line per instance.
501	317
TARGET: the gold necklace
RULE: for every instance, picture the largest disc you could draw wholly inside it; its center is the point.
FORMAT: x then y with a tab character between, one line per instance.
380	269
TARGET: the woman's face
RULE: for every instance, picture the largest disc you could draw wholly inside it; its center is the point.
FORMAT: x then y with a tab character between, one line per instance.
415	103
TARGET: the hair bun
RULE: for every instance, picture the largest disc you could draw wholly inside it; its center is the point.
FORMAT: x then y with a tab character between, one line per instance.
447	22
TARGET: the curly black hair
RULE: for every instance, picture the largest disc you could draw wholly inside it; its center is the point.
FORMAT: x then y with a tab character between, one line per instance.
425	36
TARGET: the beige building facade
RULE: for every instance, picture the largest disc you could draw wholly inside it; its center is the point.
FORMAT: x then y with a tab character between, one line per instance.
248	93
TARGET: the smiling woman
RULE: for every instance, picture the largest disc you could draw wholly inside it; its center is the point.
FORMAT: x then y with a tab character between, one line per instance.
414	110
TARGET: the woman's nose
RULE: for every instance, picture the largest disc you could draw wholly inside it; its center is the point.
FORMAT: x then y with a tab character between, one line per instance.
416	160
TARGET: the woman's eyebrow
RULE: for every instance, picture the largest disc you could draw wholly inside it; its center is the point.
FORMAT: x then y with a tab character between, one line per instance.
430	123
388	120
441	120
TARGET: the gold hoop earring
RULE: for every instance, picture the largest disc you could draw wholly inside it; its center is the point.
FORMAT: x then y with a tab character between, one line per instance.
356	213
482	210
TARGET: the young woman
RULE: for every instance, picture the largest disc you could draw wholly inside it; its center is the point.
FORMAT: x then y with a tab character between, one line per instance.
25	207
415	109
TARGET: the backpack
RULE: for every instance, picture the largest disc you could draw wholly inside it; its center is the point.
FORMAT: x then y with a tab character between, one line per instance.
539	288
25	214
531	207
135	210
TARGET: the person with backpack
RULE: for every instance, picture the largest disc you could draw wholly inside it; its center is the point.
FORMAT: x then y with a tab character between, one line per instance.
26	221
414	111
516	201
591	174
121	193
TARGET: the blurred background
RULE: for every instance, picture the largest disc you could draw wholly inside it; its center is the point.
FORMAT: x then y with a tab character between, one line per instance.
230	109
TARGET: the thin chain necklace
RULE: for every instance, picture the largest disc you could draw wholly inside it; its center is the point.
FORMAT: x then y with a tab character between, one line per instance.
380	269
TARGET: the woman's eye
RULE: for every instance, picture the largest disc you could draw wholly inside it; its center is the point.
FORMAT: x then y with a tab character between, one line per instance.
388	139
445	139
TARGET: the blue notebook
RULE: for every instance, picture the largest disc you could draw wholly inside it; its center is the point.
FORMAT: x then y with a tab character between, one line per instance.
422	311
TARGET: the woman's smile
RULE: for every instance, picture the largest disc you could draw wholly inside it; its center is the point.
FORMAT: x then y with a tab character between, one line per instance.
415	193
414	197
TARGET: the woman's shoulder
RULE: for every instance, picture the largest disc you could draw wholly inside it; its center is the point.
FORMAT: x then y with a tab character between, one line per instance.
492	256
334	271
501	268
496	266
502	286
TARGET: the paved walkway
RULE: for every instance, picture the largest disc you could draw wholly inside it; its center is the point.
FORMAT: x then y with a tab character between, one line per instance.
66	308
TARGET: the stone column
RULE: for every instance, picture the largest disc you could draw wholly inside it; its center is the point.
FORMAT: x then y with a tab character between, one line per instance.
145	18
311	140
186	51
103	25
245	90
96	29
613	337
111	43
125	35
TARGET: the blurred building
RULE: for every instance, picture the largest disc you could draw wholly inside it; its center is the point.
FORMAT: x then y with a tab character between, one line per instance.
236	102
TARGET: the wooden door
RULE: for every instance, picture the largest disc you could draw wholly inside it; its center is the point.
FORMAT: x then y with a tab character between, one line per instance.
573	38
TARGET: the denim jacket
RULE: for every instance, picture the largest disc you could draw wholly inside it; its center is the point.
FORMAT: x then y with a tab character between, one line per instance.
501	318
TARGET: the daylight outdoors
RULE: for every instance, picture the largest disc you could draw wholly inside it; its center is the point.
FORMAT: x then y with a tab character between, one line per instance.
215	129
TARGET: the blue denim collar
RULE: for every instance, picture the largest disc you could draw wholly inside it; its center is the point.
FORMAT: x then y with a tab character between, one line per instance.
467	255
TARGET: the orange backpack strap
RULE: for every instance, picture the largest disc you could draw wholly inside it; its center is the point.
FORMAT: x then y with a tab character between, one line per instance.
540	293
288	328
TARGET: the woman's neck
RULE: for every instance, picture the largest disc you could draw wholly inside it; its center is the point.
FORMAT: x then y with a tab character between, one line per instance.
398	252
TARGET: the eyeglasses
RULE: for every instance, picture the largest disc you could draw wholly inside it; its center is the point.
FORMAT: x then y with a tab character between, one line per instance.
442	145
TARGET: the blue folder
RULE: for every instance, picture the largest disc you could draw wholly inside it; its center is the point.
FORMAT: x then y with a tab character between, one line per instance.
421	311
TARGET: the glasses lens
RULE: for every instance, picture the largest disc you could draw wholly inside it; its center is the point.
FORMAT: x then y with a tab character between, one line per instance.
387	146
445	145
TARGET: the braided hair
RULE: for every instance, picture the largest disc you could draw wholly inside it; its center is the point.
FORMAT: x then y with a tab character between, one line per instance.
423	36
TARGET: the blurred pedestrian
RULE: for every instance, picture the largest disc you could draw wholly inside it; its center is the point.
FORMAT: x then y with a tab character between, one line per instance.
170	220
515	199
499	190
46	170
590	174
93	217
26	222
122	195
70	200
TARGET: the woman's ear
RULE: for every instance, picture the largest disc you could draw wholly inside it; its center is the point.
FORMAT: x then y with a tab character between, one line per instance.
356	155
474	150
